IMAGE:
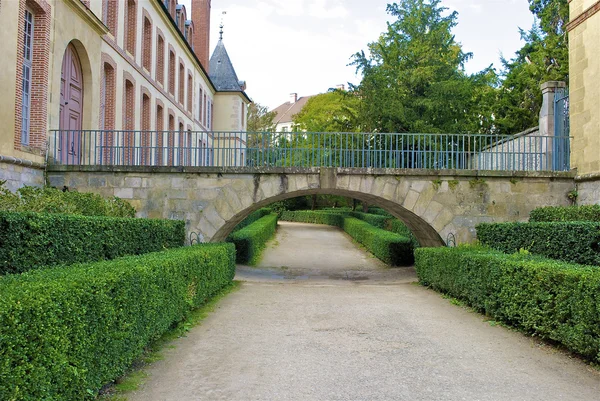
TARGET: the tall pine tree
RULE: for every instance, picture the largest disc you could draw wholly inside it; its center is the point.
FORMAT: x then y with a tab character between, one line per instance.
414	78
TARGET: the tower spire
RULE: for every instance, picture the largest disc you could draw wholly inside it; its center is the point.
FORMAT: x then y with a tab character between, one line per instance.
222	25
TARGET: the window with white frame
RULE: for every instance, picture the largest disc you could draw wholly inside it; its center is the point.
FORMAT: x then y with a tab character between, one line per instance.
27	65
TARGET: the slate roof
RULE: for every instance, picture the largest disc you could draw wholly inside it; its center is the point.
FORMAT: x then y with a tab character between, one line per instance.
222	73
286	112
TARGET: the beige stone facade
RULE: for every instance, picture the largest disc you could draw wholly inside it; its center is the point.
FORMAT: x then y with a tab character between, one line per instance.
584	39
140	69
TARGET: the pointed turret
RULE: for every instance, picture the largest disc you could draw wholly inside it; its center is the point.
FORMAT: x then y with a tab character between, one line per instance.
221	70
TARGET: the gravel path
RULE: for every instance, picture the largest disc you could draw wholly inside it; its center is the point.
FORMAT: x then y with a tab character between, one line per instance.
319	319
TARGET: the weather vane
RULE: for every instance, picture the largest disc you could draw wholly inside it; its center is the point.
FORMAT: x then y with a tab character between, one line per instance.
222	25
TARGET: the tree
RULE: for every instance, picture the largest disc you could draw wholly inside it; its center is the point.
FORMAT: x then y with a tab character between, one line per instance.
334	111
260	119
414	78
544	57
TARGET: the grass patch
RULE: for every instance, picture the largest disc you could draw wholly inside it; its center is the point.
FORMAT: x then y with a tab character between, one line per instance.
154	352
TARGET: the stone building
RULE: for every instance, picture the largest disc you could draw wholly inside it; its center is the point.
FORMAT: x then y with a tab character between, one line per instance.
108	65
584	42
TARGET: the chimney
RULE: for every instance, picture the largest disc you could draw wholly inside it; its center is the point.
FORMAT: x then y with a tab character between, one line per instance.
293	98
201	39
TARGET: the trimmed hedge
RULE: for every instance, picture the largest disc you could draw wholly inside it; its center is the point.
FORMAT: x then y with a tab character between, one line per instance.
574	242
250	241
389	247
373	219
254	216
31	240
314	217
551	299
569	213
379	211
66	332
52	200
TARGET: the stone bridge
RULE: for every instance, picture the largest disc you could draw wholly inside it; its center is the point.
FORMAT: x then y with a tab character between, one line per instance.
433	204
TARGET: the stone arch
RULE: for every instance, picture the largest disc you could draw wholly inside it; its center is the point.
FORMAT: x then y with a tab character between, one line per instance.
236	200
423	231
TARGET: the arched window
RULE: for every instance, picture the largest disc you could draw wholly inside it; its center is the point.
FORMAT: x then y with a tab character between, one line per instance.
147	45
131	26
129	122
190	91
172	73
146	139
110	12
181	83
160	127
108	94
171	140
160	59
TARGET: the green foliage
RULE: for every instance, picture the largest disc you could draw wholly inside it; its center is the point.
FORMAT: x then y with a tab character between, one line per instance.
51	200
334	111
570	213
398	227
260	119
254	216
379	211
250	241
575	242
314	217
414	78
373	219
66	332
547	298
544	57
390	247
33	240
387	246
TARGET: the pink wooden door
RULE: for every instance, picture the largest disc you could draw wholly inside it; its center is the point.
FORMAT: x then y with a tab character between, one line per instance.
71	108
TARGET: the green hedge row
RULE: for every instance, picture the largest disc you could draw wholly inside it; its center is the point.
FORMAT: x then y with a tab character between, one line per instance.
66	332
52	200
574	242
254	216
31	240
373	219
314	217
569	213
379	211
250	241
551	299
390	247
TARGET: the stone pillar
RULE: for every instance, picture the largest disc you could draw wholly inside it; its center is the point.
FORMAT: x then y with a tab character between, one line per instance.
547	112
549	89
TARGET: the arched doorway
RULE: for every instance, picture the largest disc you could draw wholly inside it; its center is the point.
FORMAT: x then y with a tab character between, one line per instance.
71	107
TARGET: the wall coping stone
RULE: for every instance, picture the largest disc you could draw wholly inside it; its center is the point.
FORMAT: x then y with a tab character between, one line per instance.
315	170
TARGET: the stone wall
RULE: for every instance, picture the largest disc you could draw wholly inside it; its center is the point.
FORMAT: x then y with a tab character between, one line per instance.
589	192
584	59
434	205
17	176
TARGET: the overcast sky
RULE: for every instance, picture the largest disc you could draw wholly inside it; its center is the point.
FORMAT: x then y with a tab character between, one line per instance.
304	46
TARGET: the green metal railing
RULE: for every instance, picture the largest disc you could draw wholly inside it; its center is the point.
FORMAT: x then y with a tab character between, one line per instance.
306	149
